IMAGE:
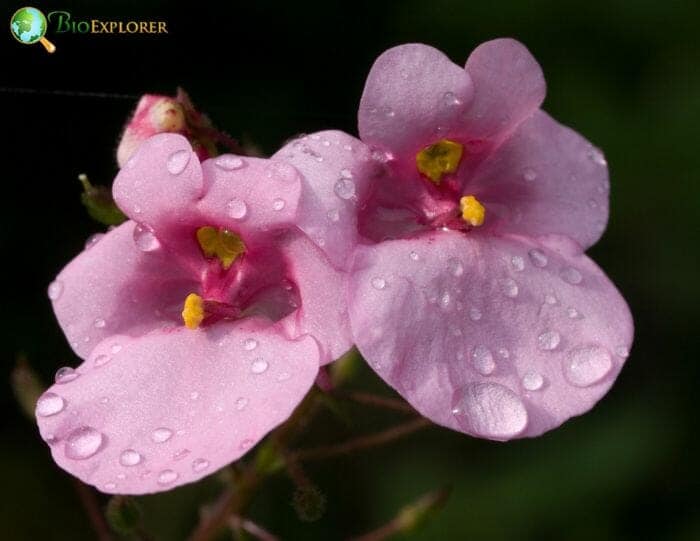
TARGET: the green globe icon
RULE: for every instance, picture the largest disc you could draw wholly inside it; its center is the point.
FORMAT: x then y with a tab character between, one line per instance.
28	25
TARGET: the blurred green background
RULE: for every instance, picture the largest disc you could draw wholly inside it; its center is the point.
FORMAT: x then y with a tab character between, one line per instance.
623	73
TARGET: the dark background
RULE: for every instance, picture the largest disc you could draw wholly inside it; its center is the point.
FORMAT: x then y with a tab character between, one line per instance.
623	73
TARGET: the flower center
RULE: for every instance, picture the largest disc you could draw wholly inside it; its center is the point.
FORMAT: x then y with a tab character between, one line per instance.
220	243
438	159
196	310
473	212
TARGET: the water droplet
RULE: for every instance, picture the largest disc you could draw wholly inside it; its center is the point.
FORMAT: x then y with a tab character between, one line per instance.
83	443
538	258
450	100
414	256
65	374
550	299
200	464
573	313
517	262
249	344
445	299
587	365
333	215
245	444
483	360
161	435
278	204
116	348
532	381
529	174
241	403
258	366
182	453
592	203
229	163
509	288
622	351
284	376
49	404
178	161
167	476
110	486
93	239
344	188
490	410
194	395
571	276
378	283
474	314
129	457
145	239
504	353
455	266
345	173
101	360
548	340
596	156
55	290
237	209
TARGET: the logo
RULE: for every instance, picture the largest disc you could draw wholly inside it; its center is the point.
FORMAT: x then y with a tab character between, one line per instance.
28	25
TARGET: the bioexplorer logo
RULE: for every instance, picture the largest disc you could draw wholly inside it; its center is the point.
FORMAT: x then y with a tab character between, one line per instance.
29	25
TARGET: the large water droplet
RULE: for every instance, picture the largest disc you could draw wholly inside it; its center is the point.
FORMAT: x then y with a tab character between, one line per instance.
455	266
49	404
378	283
65	374
236	209
55	290
249	344
129	457
509	288
587	365
490	410
258	366
145	239
538	258
483	360
571	275
548	340
83	443
166	477
229	163
162	434
200	464
178	161
344	188
278	204
532	381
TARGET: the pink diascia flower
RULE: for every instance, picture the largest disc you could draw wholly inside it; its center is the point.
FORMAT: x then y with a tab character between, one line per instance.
470	292
202	323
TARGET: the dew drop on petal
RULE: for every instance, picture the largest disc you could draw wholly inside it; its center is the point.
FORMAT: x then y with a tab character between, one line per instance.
378	283
110	486
573	313
532	381
455	266
55	290
182	453
249	344
93	239
622	351
166	477
538	258
145	239
333	215
475	314
241	403
83	443
529	174
509	288
116	348
450	100
278	204
548	340
65	374
550	299
597	156
245	444
414	256
587	365
49	404
228	162
344	188
200	464
101	360
490	410
517	262
99	323
483	360
129	457
162	434
236	209
571	276
178	161
258	366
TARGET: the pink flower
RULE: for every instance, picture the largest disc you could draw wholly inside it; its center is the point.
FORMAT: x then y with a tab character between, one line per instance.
202	323
471	294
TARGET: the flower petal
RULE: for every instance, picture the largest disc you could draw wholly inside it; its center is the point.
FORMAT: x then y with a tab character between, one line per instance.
496	337
147	414
508	87
546	179
414	94
337	171
115	287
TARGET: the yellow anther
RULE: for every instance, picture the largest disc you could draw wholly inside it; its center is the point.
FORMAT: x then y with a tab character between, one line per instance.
220	243
473	212
193	311
440	158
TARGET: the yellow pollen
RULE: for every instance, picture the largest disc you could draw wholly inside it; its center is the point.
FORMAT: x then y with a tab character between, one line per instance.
440	158
473	212
220	243
193	311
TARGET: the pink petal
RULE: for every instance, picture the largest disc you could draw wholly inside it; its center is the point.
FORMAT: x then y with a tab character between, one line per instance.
337	172
414	95
117	287
500	338
323	312
147	414
546	179
508	87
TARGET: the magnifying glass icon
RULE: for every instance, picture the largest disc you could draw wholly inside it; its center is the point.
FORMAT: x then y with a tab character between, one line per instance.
28	26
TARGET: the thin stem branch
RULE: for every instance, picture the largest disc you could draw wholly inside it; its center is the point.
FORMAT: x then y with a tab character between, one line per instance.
376	400
257	531
93	510
360	443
